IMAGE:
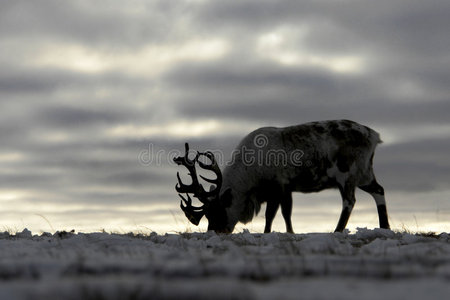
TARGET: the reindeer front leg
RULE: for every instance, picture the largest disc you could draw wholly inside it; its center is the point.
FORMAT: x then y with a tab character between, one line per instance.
286	210
348	201
271	211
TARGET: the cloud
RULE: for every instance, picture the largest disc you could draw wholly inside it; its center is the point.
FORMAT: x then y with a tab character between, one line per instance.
416	165
86	88
71	116
111	23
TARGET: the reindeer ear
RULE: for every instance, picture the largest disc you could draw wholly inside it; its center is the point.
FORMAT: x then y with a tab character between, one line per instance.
226	198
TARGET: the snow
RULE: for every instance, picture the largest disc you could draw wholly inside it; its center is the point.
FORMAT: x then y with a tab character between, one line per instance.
369	264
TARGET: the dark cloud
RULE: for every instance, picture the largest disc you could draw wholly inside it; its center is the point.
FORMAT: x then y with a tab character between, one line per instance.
46	80
342	25
107	25
227	76
138	178
303	103
71	116
31	80
418	165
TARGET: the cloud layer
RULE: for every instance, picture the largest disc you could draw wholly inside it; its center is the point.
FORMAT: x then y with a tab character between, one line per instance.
85	88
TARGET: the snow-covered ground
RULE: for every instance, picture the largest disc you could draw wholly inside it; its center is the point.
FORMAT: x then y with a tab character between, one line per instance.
370	264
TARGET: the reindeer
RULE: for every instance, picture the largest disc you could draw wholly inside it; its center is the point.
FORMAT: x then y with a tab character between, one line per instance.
270	163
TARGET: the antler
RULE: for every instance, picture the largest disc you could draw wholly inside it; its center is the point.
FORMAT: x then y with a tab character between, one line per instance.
195	187
211	167
193	213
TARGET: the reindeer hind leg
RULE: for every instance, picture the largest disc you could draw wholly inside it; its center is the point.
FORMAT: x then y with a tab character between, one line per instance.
377	192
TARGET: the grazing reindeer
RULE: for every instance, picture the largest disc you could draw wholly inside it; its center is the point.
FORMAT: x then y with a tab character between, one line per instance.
270	163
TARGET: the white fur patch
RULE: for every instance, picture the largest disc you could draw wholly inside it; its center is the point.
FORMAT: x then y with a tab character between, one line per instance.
340	177
379	199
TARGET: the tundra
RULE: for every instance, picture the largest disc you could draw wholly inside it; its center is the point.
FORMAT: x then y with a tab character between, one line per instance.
270	163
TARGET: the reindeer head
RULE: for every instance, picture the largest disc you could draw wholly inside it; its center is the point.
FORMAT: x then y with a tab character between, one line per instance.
212	208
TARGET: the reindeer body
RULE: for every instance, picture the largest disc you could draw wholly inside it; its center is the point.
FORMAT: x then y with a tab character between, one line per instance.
270	163
303	158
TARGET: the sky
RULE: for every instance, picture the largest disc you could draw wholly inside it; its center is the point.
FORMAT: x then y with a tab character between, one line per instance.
96	97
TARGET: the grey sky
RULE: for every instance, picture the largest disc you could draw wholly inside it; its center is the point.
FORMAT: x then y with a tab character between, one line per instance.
85	87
